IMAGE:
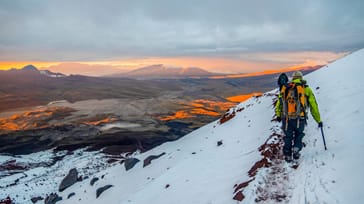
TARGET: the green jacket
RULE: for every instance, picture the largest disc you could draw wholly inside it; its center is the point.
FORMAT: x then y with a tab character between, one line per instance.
311	101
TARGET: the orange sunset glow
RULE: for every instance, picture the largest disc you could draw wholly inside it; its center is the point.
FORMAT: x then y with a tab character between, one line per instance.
258	63
34	119
241	98
200	107
9	65
272	71
219	65
207	107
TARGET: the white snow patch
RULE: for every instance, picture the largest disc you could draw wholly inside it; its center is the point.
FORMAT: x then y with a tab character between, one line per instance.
119	125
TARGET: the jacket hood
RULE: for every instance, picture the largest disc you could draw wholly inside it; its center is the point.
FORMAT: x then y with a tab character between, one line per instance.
297	81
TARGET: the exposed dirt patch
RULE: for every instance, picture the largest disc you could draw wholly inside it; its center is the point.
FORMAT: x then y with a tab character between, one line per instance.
227	116
273	187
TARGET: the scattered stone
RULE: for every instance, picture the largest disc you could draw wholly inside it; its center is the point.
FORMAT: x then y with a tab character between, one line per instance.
239	196
80	178
52	198
70	195
219	143
112	160
12	165
7	200
92	182
69	180
227	116
240	109
149	159
130	163
102	189
36	199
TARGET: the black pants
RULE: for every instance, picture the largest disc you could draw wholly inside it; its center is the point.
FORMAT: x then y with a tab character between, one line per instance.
293	135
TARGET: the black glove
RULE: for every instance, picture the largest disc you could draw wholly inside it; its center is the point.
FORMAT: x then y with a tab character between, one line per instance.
279	119
320	124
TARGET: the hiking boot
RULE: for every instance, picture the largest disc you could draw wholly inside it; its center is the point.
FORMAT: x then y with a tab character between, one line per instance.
296	155
288	158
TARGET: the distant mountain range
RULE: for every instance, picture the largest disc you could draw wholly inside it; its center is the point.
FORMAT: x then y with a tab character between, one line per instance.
95	70
31	87
30	70
161	71
157	71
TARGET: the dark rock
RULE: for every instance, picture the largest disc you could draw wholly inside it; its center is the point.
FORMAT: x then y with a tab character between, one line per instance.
227	116
7	200
167	186
112	160
70	195
80	178
52	198
69	180
149	159
12	165
239	196
130	163
219	143
92	182
36	199
102	189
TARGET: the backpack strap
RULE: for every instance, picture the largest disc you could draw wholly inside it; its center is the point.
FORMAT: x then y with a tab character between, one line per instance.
302	98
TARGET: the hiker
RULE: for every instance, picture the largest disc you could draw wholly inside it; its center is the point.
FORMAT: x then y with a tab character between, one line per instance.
282	80
293	100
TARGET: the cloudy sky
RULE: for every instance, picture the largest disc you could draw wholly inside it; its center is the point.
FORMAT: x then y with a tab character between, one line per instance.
233	35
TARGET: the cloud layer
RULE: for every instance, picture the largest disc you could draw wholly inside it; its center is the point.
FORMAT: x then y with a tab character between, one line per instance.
82	30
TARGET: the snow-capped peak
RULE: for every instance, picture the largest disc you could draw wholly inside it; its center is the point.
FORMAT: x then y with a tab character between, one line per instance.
51	74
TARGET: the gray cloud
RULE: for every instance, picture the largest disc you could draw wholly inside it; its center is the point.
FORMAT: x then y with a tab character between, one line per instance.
71	30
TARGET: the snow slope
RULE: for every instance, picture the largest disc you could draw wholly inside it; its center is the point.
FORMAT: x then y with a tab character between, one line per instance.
195	169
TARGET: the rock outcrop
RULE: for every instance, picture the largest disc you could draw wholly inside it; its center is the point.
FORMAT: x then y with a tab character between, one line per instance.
69	180
149	159
36	199
52	198
130	163
102	189
93	181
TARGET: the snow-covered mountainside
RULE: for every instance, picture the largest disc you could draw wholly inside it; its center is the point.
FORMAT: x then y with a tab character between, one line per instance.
238	158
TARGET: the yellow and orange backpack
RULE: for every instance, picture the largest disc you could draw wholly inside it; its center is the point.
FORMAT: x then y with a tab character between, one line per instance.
293	101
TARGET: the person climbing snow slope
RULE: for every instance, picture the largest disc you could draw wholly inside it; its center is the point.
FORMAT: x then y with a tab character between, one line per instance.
291	108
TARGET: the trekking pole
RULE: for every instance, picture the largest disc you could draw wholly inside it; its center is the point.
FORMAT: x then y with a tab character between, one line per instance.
323	137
